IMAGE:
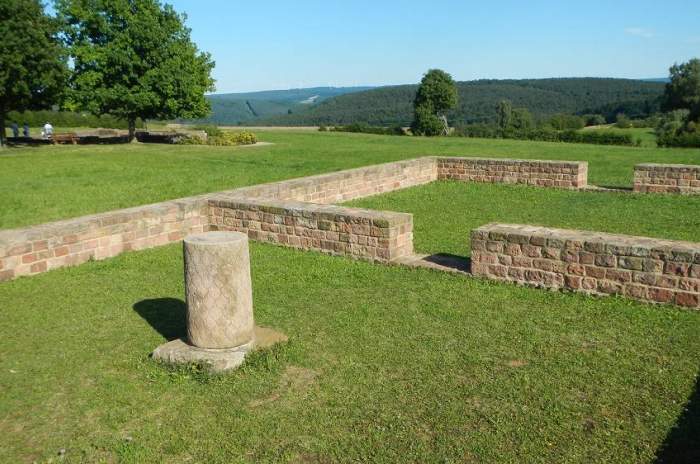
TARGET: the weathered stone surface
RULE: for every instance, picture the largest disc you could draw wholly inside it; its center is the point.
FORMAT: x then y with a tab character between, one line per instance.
667	178
180	352
218	290
543	173
592	262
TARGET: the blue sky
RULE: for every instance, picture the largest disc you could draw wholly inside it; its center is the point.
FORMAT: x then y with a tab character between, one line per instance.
287	44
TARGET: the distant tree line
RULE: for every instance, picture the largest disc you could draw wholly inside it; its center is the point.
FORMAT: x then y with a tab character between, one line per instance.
543	98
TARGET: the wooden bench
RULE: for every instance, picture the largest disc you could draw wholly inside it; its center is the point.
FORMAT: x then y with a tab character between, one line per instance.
68	137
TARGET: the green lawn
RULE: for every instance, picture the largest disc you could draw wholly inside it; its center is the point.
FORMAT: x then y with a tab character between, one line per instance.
384	364
445	212
56	182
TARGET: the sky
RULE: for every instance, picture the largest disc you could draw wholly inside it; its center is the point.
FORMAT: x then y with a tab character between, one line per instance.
272	44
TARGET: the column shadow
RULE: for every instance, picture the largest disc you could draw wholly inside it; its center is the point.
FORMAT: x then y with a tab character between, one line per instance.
168	316
682	444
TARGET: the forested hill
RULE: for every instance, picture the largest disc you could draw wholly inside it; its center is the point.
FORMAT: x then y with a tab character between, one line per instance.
477	101
246	108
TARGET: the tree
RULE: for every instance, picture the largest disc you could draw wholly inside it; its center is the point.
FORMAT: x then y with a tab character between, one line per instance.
521	119
32	63
437	94
683	92
134	59
504	115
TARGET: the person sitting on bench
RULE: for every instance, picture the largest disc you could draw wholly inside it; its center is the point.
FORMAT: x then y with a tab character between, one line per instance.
47	133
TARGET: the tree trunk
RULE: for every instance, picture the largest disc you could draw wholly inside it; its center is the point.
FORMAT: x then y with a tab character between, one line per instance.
2	128
132	129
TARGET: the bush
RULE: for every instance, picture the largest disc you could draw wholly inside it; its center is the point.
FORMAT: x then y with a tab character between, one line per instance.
675	129
547	135
210	129
622	122
595	119
367	129
566	121
681	140
225	139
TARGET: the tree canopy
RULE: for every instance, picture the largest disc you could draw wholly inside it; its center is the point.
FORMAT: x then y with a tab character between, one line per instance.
33	66
437	94
134	59
683	92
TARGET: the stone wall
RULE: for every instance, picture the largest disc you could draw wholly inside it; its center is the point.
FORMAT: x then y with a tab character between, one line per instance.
561	174
667	178
374	235
65	243
337	187
662	271
36	249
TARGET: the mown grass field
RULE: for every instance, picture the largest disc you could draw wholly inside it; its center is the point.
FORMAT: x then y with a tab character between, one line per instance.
446	212
57	182
384	364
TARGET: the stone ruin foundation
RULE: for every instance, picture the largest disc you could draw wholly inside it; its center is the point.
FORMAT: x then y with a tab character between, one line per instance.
220	324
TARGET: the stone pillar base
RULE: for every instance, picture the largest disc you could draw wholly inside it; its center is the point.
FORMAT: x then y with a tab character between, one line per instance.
216	360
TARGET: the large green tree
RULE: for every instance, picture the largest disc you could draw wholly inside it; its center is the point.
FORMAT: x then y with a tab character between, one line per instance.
135	59
32	62
437	94
683	91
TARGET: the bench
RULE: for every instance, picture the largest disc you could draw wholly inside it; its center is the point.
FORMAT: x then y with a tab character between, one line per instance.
69	137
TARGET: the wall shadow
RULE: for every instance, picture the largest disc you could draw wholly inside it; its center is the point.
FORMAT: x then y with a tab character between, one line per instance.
168	316
450	261
682	444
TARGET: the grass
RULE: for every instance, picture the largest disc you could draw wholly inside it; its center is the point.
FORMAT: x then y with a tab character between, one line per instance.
384	364
57	182
445	212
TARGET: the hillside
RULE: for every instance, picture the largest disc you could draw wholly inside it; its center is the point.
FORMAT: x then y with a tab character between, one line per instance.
241	108
477	100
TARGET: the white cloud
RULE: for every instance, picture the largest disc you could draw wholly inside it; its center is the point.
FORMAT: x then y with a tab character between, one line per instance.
639	32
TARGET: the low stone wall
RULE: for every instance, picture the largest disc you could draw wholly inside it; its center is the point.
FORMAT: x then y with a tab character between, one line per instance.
337	187
36	249
65	243
561	174
374	235
662	271
667	178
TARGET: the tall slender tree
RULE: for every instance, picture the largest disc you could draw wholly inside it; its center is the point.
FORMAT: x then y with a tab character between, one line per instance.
32	62
135	59
504	115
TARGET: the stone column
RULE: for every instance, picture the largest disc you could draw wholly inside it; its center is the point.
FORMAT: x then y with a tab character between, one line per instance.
218	289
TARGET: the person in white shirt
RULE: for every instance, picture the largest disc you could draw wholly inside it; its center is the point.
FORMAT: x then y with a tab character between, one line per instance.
47	133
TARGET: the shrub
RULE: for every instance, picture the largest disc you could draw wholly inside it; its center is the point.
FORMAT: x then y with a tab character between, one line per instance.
367	129
566	121
210	129
595	119
225	139
547	135
622	122
681	140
